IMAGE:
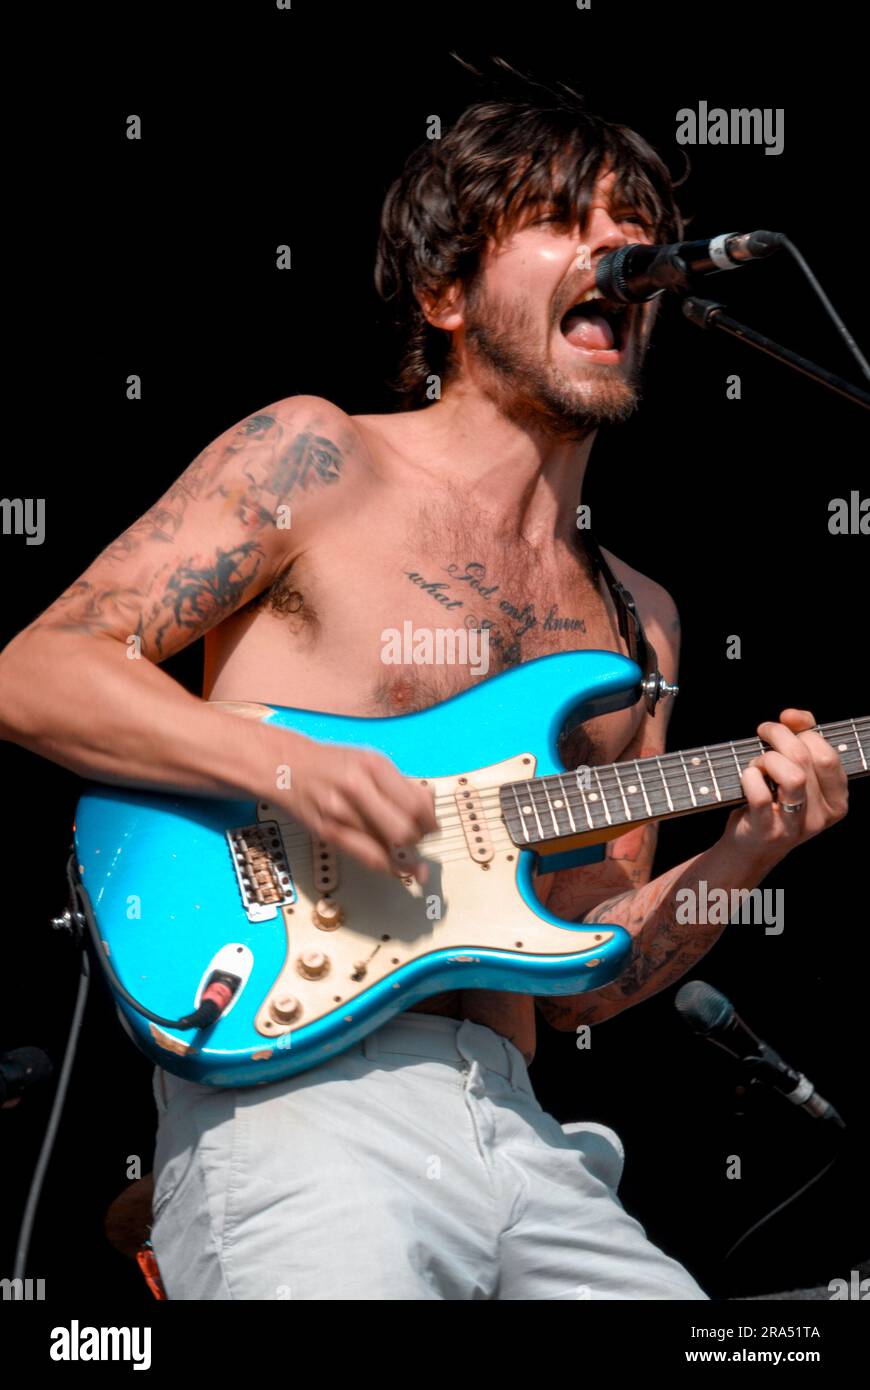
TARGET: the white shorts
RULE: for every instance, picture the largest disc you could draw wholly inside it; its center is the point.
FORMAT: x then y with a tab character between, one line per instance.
416	1165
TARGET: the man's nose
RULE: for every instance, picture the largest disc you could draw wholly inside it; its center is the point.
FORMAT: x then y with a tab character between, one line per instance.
604	235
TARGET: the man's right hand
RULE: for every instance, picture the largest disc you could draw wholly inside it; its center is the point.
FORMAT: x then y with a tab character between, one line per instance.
354	799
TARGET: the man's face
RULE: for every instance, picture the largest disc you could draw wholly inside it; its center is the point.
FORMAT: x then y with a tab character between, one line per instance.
541	362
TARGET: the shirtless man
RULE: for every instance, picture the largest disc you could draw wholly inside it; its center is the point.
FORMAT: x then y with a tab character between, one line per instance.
435	1174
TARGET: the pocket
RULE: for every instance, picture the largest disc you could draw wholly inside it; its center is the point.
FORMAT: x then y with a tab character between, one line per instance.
602	1149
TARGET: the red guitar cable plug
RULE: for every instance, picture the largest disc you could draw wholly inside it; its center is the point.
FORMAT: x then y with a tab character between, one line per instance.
215	997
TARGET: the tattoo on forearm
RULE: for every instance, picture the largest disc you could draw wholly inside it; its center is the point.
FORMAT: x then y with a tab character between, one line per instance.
662	947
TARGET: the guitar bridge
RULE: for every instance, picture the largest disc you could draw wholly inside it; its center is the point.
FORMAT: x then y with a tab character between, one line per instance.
262	871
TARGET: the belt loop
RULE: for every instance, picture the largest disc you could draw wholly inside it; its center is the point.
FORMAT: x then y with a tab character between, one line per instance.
370	1046
519	1076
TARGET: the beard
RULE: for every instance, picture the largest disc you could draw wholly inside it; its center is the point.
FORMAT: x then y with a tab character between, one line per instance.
529	390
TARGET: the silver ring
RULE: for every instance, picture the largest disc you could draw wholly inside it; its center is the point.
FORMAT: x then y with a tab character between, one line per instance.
791	808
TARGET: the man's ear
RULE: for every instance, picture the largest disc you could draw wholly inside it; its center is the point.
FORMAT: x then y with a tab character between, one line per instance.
446	310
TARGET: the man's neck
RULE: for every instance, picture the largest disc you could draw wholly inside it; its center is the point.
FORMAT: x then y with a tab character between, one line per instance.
521	472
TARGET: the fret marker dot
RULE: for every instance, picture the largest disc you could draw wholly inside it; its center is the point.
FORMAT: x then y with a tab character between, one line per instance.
705	791
842	747
558	805
632	788
696	762
527	810
593	796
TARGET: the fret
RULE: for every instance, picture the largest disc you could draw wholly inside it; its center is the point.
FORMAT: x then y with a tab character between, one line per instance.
688	780
530	793
563	821
564	791
639	807
615	768
581	793
858	742
550	807
522	821
699	779
713	774
642	787
692	779
603	797
737	761
664	782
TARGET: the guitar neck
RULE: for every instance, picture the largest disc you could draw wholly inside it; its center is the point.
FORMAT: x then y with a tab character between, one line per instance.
593	803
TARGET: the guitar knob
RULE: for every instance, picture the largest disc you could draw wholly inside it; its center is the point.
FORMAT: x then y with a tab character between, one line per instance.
312	964
285	1008
327	914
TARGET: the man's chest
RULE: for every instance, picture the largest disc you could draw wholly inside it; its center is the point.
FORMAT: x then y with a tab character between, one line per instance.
412	615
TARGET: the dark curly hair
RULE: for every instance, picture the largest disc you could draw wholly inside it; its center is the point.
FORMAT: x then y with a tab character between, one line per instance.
499	162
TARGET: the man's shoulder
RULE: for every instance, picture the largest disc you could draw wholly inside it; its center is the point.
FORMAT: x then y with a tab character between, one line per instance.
314	441
312	415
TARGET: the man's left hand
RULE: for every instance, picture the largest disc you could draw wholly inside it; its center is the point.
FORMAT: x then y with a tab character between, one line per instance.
809	778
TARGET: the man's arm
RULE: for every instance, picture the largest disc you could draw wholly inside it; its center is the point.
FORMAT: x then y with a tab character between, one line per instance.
629	858
755	839
665	945
70	691
81	684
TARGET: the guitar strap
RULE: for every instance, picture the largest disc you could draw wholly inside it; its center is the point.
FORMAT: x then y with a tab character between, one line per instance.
653	686
631	629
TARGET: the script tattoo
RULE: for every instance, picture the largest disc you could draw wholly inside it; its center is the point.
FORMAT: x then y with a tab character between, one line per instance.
505	633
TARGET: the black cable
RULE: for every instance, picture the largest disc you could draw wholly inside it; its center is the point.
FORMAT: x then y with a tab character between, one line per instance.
831	311
35	1190
781	1207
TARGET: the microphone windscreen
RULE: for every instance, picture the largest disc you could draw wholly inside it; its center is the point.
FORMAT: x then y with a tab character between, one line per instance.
702	1007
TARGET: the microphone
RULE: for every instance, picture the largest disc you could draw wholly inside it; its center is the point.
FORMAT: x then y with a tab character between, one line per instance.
637	272
20	1068
712	1016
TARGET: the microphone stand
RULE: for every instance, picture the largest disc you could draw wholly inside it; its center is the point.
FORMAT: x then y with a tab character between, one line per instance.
706	313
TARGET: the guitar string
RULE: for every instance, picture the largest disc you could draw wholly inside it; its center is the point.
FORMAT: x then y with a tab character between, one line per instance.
724	758
717	757
445	848
490	798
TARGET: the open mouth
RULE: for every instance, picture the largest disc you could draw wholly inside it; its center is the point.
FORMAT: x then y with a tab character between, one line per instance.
596	324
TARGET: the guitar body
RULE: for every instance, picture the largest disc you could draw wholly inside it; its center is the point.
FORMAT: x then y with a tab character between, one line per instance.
181	886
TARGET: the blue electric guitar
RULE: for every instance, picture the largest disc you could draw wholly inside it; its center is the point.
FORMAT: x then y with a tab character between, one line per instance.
240	949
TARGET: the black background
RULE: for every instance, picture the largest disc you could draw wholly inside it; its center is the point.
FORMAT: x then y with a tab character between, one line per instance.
158	257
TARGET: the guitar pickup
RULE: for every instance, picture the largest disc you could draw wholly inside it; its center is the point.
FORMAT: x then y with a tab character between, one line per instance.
262	870
472	818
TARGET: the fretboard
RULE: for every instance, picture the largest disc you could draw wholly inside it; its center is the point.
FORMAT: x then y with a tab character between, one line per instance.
594	799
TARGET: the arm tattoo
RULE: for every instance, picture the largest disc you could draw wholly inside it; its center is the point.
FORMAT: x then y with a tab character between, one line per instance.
662	951
201	595
187	596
